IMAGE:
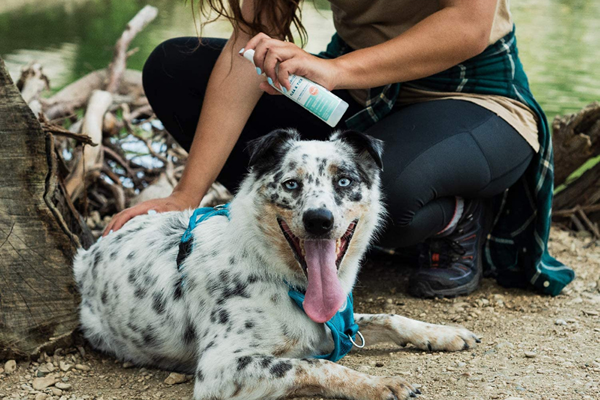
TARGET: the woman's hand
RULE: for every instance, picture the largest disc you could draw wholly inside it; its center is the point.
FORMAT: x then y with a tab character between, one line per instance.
278	60
177	201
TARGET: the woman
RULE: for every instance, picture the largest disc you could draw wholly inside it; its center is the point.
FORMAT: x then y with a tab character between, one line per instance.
438	80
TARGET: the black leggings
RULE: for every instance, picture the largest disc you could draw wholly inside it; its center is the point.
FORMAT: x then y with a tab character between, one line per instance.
434	151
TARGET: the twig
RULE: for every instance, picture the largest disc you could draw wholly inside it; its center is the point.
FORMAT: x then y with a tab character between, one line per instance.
577	223
118	65
568	212
587	221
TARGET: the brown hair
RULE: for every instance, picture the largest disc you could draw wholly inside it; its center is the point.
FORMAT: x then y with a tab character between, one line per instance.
273	17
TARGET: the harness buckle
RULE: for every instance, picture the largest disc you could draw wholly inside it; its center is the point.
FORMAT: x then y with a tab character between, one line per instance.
362	338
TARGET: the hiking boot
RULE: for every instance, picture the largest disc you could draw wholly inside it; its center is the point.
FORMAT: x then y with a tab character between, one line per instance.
450	264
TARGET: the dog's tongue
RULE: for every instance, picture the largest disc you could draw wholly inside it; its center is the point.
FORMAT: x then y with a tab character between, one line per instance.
324	295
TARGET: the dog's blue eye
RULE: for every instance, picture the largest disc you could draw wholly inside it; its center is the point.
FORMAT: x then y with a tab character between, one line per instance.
344	182
291	184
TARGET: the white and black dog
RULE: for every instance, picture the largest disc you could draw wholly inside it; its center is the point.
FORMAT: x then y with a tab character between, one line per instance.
302	218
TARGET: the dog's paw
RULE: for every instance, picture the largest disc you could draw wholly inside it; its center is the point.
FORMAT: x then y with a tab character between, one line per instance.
445	338
393	388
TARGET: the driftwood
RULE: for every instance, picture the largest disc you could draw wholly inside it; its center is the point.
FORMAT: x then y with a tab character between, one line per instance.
76	95
39	301
89	161
576	139
117	66
31	84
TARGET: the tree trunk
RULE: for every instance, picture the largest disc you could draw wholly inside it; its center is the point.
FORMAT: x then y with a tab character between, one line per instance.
39	231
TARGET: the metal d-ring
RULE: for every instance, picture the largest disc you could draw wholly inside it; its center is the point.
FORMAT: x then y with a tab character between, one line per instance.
362	338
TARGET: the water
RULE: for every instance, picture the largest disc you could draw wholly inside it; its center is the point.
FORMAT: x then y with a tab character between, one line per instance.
559	40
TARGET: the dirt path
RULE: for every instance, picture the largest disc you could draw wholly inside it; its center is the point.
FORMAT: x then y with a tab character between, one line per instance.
533	347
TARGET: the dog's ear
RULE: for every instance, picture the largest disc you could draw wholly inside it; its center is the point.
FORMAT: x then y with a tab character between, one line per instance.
270	146
362	144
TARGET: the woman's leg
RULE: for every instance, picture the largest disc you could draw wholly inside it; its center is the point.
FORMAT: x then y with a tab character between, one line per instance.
434	152
175	78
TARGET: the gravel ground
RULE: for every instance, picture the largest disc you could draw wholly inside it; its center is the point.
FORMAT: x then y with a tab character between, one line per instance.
534	347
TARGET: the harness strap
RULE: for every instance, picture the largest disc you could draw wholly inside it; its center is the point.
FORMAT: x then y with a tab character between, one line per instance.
342	326
198	216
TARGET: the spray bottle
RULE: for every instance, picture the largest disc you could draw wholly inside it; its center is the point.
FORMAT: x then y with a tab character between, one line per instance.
312	96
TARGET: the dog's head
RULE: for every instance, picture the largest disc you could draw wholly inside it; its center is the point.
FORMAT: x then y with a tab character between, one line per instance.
318	206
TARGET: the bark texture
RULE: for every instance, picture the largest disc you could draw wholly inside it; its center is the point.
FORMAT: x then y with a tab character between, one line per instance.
38	300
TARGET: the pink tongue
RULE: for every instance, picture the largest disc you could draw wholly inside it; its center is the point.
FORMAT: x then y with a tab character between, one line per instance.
324	295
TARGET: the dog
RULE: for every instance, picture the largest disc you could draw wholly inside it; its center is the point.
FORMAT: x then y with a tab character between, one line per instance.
302	218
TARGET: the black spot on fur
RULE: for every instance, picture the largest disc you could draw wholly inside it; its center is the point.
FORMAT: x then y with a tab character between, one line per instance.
158	303
189	335
199	376
232	260
185	248
356	196
140	292
223	317
280	369
243	362
249	324
265	362
104	297
224	276
252	278
178	293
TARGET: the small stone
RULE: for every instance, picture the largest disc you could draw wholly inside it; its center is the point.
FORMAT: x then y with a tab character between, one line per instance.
10	367
41	396
127	365
63	386
175	378
460	364
43	383
65	367
590	313
379	364
46	368
560	322
82	367
56	391
530	354
389	301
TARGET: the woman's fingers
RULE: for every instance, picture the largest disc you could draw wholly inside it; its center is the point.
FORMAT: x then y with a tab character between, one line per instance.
265	87
121	218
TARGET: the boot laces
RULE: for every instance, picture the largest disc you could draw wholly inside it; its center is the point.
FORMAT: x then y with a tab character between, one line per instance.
443	252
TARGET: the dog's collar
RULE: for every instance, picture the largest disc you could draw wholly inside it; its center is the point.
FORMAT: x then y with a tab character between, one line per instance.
342	326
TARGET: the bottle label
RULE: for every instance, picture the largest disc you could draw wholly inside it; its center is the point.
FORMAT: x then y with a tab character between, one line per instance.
315	98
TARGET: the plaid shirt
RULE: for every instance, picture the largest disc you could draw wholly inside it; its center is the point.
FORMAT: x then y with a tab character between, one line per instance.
516	251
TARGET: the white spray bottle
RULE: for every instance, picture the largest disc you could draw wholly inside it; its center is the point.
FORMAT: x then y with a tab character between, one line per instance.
312	96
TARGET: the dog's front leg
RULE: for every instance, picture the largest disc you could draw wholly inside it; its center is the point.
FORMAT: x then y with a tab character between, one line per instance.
378	328
266	377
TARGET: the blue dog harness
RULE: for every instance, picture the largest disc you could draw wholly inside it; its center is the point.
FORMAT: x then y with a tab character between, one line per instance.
342	326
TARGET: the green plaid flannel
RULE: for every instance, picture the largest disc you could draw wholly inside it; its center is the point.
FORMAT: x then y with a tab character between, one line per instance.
516	251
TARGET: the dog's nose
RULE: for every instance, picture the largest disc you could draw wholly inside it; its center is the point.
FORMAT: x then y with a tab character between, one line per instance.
318	221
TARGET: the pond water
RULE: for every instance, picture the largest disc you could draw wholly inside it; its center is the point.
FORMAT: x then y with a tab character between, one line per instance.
559	40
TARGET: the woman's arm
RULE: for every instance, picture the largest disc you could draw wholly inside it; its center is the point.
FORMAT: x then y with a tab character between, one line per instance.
231	95
458	31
